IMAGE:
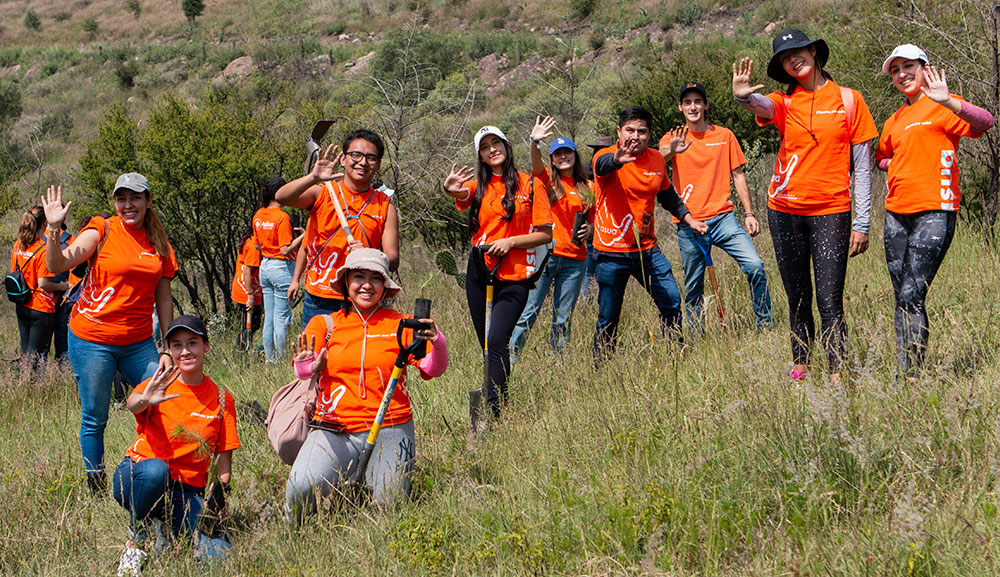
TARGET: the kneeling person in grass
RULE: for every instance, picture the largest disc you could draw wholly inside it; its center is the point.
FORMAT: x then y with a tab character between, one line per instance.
183	419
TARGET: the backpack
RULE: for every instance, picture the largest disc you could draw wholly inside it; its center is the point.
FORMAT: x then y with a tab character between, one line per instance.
18	290
287	423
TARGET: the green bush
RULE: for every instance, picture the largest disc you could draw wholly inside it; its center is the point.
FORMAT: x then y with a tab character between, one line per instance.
90	26
62	16
32	21
581	9
10	103
125	73
135	7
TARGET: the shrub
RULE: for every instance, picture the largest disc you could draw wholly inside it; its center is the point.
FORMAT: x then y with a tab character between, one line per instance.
32	21
135	7
581	9
192	9
10	102
62	16
126	72
90	25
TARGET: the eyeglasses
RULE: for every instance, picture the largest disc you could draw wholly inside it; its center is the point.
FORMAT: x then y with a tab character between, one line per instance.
356	156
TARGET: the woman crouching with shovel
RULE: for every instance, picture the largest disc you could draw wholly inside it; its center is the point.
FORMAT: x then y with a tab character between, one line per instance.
362	423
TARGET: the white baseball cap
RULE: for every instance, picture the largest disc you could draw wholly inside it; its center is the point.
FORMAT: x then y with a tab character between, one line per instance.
908	51
486	130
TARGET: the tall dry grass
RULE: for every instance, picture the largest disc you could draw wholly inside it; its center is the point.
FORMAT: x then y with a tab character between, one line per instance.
701	461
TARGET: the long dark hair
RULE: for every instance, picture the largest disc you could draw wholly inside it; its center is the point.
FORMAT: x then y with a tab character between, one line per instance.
581	183
484	172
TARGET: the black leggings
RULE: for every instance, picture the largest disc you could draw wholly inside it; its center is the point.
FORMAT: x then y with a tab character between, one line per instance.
509	299
915	245
36	335
825	240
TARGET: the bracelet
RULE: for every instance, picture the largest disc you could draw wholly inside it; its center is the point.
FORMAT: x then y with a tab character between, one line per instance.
750	213
164	353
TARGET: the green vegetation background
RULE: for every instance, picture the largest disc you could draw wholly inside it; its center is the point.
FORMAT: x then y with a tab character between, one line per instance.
705	461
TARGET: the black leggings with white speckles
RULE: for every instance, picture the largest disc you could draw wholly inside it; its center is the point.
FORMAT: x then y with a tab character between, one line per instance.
824	241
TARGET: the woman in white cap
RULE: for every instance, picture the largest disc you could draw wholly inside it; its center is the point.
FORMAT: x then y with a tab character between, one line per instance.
508	213
825	132
569	194
918	149
111	325
352	352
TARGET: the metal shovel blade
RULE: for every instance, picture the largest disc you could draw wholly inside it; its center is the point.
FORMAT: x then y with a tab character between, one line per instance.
312	142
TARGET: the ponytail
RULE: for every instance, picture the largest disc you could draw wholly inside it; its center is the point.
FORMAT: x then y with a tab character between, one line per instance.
155	233
30	229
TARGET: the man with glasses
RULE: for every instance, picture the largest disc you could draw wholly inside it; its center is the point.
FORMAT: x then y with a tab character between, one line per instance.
370	214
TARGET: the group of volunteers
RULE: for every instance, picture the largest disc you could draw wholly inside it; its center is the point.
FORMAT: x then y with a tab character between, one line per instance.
529	232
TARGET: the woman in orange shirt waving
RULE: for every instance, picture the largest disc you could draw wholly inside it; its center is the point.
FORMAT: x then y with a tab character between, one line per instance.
36	315
512	216
353	352
918	148
111	326
825	132
568	190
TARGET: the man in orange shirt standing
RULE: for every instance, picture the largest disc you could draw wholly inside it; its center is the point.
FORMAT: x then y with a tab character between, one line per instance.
371	216
629	178
704	158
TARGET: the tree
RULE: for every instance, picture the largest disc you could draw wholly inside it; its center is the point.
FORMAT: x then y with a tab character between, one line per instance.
32	21
192	9
205	166
135	7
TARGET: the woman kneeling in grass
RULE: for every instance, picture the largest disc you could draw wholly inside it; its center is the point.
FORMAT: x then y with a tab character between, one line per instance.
352	353
183	419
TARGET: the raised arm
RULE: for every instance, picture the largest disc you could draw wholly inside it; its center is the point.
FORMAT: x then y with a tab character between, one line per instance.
455	179
745	93
302	192
59	260
542	130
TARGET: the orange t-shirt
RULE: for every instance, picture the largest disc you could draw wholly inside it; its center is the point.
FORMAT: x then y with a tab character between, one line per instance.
41	300
563	214
703	172
116	304
366	214
812	177
272	229
359	363
239	292
519	263
922	141
176	430
625	201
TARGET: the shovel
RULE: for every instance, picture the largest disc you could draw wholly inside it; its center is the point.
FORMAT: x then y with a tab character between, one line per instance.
313	147
246	335
416	349
477	397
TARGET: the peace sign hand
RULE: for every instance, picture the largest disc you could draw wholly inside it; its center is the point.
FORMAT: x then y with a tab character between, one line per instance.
55	212
742	73
326	165
542	129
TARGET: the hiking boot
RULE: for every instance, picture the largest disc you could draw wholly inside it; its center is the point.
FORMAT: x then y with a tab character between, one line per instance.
98	484
130	563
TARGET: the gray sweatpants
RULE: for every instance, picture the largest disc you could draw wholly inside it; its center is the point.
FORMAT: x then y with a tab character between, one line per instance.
327	459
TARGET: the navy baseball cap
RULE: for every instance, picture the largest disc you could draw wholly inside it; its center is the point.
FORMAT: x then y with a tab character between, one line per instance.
562	142
189	323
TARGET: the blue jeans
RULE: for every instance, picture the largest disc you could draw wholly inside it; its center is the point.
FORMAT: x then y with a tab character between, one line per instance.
726	233
94	366
650	268
144	488
275	276
565	275
314	305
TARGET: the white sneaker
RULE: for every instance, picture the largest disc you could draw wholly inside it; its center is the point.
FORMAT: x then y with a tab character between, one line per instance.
130	564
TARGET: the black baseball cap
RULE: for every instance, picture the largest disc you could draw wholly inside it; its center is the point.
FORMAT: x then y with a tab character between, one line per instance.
189	323
688	87
793	40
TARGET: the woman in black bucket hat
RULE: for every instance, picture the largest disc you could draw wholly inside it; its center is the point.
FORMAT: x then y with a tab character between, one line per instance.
825	133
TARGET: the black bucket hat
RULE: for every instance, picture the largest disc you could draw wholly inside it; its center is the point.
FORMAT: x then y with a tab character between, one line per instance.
793	40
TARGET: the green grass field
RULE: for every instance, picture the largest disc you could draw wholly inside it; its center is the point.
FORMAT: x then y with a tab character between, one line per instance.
701	461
